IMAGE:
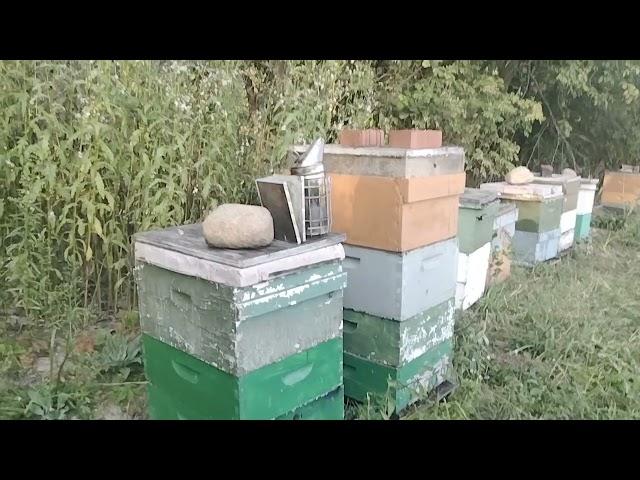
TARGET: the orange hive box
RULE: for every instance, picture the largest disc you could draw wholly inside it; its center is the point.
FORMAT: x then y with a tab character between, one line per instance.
395	214
394	199
620	188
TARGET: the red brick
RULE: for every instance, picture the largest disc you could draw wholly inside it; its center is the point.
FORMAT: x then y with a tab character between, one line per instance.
361	138
415	138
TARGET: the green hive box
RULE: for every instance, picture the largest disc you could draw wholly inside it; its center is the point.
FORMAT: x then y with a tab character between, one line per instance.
190	388
539	216
583	226
404	385
539	206
393	343
328	407
477	212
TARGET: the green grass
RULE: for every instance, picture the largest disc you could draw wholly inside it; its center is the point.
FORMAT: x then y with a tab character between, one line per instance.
561	341
96	372
558	341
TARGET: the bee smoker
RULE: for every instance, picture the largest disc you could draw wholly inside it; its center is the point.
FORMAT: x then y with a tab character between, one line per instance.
317	209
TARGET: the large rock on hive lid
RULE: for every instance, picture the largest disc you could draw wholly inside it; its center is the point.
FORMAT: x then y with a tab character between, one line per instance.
519	176
234	225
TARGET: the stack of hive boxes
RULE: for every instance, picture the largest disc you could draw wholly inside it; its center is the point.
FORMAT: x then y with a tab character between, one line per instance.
621	190
478	210
586	198
537	234
241	334
399	210
570	188
504	228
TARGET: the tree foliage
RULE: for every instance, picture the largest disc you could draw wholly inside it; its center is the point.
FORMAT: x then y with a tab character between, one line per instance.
92	152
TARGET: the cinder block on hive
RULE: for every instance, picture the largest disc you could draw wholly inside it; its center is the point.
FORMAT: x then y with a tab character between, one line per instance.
361	138
415	138
546	170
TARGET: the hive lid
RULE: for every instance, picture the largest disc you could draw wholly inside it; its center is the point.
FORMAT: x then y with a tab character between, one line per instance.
531	192
589	181
621	172
555	179
389	161
189	241
476	199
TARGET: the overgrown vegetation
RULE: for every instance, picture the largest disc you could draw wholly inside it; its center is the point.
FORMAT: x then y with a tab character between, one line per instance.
559	342
92	152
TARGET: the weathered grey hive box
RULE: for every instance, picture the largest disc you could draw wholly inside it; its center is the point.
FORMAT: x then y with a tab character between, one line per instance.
540	210
393	343
238	310
399	286
539	206
530	248
570	188
478	209
403	385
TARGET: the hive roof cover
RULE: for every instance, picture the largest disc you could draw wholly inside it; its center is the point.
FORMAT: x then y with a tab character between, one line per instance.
476	198
555	179
533	192
389	161
188	240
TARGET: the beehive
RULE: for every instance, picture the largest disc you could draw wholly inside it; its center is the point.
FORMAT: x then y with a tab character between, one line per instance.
238	333
586	199
399	210
478	209
570	189
394	199
399	286
537	234
620	189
